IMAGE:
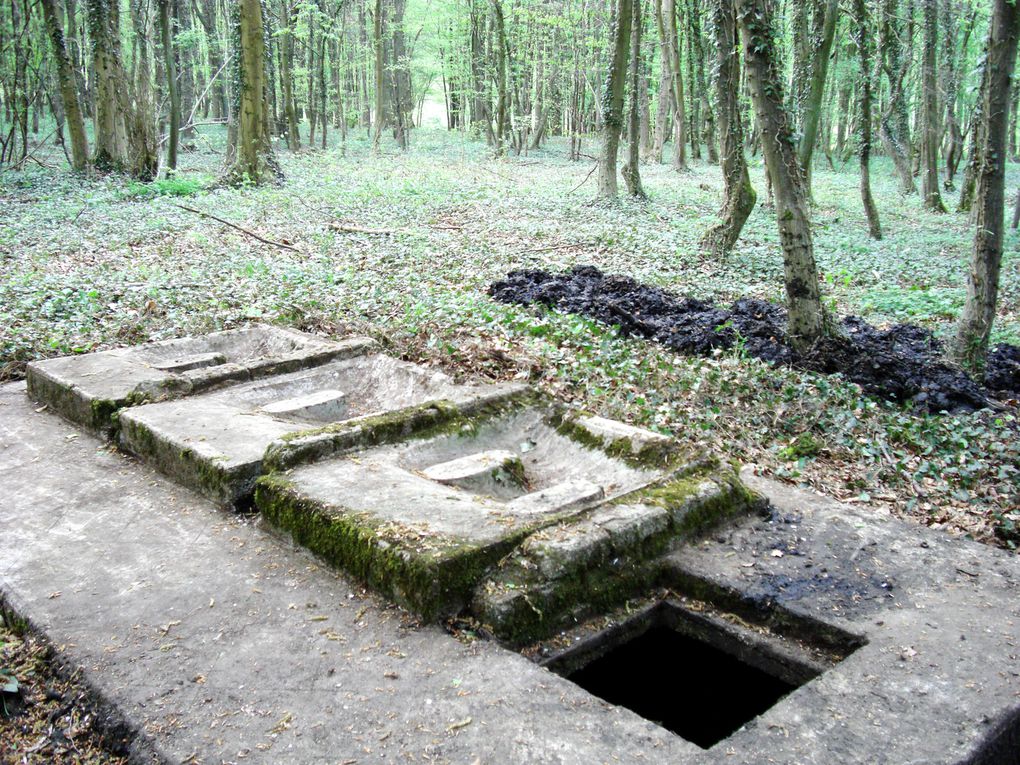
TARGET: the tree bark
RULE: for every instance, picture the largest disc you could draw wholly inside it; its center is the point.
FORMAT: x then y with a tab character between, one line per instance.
862	37
502	97
932	198
110	129
806	322
895	127
379	118
166	24
250	159
68	88
970	346
738	195
288	16
612	97
812	113
631	170
671	49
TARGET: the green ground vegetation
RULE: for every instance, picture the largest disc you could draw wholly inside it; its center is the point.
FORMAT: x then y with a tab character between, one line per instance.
402	246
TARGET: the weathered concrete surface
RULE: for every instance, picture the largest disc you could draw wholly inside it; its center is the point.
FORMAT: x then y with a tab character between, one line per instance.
221	643
88	389
390	516
210	633
939	678
585	566
215	441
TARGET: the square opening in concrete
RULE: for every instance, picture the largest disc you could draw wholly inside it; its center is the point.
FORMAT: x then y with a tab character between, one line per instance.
215	442
700	677
88	389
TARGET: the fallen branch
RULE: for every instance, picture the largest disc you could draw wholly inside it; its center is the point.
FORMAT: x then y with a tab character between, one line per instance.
585	179
252	234
343	227
565	246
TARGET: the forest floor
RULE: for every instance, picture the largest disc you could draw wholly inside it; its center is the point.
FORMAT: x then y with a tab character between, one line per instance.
403	246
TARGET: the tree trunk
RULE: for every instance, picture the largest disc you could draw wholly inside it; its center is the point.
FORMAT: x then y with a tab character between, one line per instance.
671	50
862	37
806	317
173	89
612	97
970	346
978	123
665	91
932	198
111	140
502	97
68	88
631	170
380	76
288	16
250	159
739	195
812	113
895	130
402	97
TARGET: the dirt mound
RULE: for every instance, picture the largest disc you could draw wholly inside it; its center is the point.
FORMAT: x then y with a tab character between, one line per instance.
901	363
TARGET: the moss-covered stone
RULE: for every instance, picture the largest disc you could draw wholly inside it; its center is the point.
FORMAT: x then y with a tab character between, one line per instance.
431	575
584	566
428	420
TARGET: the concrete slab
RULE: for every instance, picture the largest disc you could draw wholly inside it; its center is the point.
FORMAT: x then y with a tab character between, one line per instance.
88	389
215	641
215	442
382	516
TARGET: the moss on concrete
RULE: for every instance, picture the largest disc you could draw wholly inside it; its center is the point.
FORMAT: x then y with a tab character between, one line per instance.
431	575
521	604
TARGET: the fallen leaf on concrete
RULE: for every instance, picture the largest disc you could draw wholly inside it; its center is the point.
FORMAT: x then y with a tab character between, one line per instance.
459	724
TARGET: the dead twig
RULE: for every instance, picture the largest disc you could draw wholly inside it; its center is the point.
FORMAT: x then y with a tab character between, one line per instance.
565	246
343	227
252	234
585	179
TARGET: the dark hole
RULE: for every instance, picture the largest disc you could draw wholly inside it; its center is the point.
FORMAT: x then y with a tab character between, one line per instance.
697	691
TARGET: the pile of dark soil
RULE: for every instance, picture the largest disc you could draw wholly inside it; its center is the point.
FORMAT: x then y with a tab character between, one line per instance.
901	363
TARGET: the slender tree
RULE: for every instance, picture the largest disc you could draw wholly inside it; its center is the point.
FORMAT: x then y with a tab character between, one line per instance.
932	197
738	193
970	345
68	88
166	29
805	315
895	126
612	97
862	38
631	170
812	108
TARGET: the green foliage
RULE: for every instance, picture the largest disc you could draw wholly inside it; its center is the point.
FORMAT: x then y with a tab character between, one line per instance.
171	187
88	265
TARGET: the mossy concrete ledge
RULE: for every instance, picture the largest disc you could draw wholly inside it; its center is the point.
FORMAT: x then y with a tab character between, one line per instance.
430	574
89	389
419	421
578	568
216	442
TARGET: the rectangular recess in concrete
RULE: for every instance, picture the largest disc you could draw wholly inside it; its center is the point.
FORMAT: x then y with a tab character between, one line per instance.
700	675
215	442
90	388
391	516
